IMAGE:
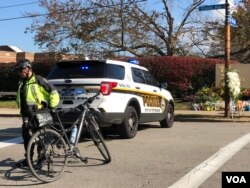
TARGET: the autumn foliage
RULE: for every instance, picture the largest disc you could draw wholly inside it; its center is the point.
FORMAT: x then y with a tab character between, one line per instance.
184	75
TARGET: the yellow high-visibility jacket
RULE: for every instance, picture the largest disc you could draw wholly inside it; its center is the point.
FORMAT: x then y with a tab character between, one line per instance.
37	90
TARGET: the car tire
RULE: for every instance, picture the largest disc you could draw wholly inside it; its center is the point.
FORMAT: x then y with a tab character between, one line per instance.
168	121
129	127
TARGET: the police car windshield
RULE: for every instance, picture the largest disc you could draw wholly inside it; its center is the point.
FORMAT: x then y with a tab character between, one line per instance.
86	69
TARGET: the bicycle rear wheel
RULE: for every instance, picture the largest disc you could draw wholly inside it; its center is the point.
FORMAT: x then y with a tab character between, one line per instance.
98	140
47	155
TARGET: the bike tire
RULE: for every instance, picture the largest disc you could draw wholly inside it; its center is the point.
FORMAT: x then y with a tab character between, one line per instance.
99	141
47	155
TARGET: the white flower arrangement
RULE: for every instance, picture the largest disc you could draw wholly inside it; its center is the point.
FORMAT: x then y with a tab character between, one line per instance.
233	81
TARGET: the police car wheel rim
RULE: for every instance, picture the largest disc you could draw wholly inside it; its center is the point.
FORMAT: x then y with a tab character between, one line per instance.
132	121
169	115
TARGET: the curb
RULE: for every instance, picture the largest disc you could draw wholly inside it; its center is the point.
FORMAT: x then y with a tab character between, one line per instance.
209	116
204	118
10	115
180	115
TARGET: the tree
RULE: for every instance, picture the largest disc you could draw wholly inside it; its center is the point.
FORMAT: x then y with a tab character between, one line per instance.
240	35
109	26
66	26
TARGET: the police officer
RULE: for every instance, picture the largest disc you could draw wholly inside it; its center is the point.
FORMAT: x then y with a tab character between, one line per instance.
34	93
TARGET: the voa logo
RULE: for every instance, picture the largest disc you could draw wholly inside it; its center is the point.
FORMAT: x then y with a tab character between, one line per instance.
236	179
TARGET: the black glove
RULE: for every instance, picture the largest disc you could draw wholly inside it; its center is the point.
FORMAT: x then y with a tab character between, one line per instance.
52	110
45	104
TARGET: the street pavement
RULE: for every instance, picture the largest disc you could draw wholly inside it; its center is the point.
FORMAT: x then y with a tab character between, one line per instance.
180	115
154	158
161	157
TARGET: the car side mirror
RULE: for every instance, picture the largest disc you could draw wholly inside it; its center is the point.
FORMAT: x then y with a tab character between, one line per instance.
164	85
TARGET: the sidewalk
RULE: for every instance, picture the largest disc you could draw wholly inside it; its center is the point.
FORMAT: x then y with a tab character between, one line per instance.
180	115
213	116
9	112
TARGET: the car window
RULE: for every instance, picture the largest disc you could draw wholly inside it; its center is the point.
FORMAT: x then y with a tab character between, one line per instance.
150	80
115	71
67	70
138	75
86	69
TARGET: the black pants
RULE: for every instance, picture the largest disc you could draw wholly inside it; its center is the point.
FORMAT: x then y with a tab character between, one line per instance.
26	132
29	127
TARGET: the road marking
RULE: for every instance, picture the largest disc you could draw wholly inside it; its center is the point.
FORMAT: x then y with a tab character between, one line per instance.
204	170
11	142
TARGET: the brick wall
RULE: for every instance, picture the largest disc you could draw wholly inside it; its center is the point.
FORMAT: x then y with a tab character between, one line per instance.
24	55
10	57
7	57
46	57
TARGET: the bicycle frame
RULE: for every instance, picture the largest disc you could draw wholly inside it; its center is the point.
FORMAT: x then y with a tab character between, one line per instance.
51	143
81	119
79	123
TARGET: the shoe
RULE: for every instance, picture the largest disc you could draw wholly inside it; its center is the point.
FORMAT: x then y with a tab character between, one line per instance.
22	163
38	166
40	163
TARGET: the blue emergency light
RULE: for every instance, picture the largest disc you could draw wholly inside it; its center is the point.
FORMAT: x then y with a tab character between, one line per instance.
133	61
84	67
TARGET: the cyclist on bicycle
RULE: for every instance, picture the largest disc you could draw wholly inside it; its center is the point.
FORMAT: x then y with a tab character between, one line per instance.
34	93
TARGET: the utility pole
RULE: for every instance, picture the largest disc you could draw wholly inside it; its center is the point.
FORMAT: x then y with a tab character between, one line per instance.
227	59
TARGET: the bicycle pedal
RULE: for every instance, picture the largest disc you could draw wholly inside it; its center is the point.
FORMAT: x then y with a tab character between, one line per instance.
78	155
76	152
84	159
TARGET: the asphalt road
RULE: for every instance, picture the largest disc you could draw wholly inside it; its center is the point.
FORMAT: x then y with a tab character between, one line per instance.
156	157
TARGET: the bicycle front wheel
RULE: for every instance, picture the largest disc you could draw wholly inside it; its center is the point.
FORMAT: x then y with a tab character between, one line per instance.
47	155
98	140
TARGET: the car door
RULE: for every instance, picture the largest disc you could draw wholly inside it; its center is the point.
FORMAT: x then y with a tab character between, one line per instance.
147	88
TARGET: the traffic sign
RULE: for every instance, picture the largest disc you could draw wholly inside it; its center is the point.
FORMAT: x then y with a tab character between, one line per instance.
232	22
212	7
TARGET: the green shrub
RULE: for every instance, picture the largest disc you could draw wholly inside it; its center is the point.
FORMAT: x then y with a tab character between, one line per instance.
207	94
9	78
184	75
43	68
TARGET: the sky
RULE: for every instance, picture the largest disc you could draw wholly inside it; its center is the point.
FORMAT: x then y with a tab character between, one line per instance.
12	32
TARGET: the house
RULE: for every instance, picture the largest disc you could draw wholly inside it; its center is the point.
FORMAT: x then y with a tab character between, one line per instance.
12	54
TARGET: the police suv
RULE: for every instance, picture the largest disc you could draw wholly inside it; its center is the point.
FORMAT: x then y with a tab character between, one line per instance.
129	93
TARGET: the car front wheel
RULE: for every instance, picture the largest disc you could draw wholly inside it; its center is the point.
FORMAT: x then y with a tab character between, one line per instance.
168	121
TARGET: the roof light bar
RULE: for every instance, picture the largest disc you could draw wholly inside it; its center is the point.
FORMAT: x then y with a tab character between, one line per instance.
133	61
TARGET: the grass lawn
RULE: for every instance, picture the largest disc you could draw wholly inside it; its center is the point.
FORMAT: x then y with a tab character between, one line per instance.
5	103
179	104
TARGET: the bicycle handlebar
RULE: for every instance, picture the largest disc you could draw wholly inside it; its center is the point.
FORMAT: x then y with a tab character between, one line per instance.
91	99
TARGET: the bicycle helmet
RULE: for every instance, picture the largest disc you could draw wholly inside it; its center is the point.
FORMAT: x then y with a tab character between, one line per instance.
22	64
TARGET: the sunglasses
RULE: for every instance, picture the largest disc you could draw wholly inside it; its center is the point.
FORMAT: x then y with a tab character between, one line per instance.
20	70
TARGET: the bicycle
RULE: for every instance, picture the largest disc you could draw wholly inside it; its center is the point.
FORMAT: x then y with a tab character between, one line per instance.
49	148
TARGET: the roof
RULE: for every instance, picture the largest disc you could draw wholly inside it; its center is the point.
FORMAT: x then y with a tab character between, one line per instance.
10	48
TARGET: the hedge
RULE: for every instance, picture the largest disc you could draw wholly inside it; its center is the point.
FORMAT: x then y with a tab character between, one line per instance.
183	74
9	78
